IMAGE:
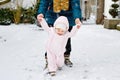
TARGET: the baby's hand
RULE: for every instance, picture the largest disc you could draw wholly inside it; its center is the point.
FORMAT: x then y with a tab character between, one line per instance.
39	17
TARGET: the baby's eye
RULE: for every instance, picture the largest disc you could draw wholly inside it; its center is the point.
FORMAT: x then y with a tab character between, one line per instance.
62	31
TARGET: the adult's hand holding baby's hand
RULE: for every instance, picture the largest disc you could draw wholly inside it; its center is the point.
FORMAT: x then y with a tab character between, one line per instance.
39	17
78	26
78	23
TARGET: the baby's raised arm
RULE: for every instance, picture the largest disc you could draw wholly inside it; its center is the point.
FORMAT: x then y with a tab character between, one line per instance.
74	30
44	25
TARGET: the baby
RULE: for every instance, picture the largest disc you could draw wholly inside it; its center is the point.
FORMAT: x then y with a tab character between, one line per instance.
56	43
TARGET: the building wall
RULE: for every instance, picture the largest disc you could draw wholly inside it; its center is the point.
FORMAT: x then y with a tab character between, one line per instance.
107	7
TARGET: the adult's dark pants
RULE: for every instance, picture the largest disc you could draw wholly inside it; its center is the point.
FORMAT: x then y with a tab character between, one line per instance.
68	46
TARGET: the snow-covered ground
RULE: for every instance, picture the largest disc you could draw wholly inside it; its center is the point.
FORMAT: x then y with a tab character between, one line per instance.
95	54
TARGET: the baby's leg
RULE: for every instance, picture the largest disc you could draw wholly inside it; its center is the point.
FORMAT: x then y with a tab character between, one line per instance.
60	61
51	62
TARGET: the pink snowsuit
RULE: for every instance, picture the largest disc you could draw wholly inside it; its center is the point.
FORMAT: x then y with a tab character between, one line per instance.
56	46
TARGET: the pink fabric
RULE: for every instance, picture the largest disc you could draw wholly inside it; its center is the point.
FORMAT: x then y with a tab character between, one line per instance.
56	46
62	20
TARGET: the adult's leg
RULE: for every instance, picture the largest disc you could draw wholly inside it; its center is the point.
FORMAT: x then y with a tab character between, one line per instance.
46	64
67	52
68	48
68	45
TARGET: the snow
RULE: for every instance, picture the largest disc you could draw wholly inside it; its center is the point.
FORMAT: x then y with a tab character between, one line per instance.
95	53
28	3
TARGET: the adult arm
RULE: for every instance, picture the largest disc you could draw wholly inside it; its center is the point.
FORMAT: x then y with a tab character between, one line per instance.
76	11
43	6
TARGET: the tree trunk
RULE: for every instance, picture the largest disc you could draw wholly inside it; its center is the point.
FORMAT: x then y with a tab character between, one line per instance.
100	11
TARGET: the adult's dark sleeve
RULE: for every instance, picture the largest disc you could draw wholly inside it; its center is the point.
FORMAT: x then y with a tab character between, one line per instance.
43	6
76	9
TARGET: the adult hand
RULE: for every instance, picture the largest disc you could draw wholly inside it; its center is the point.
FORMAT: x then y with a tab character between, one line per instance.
39	17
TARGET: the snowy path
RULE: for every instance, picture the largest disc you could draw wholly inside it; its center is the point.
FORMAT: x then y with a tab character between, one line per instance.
95	54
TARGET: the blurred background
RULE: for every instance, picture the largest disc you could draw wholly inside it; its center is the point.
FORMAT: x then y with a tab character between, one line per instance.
93	12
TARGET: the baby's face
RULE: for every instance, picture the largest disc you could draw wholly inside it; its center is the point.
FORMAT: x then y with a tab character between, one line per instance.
59	31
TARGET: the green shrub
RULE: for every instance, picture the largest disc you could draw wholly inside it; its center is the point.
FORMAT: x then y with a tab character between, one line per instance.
17	15
28	15
115	6
113	12
6	16
115	0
